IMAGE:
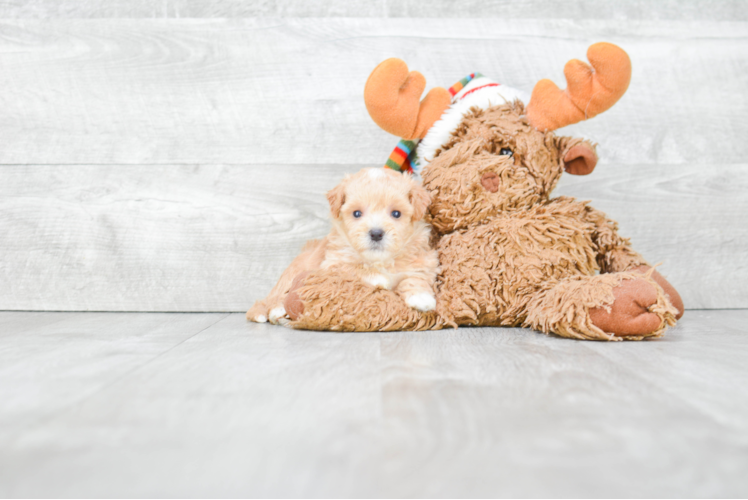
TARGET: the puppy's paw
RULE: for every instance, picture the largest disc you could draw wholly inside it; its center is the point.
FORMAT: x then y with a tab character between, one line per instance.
258	313
423	301
278	316
378	281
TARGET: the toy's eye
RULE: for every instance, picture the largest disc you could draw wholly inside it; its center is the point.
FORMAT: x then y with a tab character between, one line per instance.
396	214
506	152
357	214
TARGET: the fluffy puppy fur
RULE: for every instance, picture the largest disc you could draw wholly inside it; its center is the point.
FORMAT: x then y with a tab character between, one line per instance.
378	235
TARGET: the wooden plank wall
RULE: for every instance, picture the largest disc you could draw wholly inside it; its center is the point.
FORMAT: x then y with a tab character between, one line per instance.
173	156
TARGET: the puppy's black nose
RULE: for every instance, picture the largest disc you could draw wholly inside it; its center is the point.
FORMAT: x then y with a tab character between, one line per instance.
376	234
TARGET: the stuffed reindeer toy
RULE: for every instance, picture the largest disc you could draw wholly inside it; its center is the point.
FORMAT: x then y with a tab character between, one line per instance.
509	253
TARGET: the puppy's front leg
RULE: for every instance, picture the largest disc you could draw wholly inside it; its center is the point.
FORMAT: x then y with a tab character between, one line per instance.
418	293
378	280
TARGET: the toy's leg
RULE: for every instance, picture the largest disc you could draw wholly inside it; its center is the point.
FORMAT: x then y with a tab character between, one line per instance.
614	306
330	300
616	255
271	308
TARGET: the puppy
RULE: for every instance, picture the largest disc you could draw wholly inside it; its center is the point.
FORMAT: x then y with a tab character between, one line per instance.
378	235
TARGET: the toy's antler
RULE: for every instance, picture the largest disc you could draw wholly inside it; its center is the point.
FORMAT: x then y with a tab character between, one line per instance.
392	97
589	92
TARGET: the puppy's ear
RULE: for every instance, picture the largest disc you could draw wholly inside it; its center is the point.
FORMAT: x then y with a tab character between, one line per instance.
419	199
336	198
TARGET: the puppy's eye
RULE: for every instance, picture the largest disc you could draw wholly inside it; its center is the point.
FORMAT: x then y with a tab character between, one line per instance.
357	214
396	214
506	152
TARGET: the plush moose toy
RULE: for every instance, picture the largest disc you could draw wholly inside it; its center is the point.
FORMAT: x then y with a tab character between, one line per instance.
510	254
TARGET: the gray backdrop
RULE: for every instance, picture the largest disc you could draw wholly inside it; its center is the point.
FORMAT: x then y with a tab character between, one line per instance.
173	155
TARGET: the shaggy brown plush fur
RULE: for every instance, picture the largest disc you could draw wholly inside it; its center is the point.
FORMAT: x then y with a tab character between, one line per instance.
510	255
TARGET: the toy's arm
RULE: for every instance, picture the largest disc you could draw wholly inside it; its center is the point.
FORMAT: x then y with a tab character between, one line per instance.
328	299
616	255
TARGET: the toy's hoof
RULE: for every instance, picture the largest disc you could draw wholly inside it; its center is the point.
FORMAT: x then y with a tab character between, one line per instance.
293	303
670	291
629	314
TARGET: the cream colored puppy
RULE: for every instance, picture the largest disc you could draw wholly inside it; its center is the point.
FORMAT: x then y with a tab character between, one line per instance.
378	234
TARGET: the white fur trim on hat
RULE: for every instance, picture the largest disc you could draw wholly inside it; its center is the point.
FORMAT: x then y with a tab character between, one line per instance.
483	98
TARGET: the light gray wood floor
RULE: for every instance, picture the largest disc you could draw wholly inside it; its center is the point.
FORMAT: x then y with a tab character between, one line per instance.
176	404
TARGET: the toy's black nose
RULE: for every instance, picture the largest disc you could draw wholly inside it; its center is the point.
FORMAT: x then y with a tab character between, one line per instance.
376	234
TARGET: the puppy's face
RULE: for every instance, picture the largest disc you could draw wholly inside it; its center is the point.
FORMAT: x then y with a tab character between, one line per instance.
376	209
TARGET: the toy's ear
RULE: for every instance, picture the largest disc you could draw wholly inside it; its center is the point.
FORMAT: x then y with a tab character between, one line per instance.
336	198
420	200
579	158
